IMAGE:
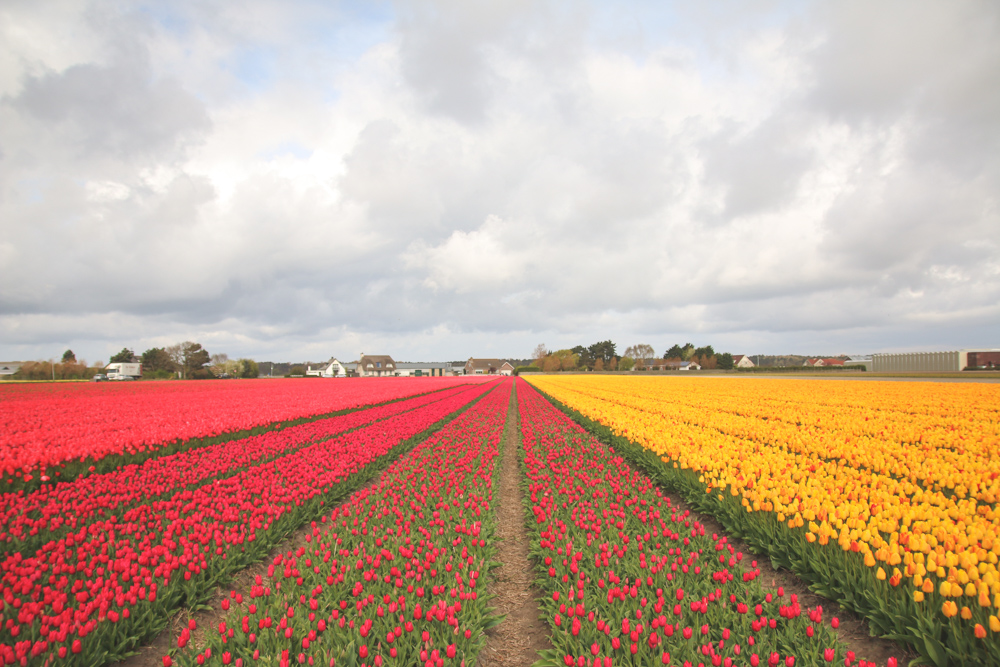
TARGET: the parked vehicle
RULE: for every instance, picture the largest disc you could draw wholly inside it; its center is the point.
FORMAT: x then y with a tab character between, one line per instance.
123	371
100	377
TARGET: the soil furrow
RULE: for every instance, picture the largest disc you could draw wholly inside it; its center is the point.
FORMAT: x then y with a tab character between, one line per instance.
522	634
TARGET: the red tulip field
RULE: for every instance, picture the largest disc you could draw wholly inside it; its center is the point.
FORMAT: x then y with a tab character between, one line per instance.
49	427
368	511
391	576
95	564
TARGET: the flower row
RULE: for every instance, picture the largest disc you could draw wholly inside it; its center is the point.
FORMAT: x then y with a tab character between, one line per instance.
46	427
36	515
952	448
630	579
391	577
919	563
94	593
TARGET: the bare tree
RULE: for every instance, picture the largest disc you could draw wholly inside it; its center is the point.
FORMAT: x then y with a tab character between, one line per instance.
640	352
219	364
176	354
540	352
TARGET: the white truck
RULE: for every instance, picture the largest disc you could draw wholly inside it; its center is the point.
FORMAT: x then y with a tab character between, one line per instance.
123	371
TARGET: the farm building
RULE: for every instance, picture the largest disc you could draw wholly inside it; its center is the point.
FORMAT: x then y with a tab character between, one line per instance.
742	361
488	367
956	360
422	368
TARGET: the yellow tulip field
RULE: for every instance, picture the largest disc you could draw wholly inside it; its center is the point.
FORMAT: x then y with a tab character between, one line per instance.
882	495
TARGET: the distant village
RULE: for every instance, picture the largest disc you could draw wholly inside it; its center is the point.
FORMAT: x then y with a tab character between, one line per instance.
190	361
383	365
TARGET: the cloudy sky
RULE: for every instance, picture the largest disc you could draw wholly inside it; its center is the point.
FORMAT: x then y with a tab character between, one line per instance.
293	180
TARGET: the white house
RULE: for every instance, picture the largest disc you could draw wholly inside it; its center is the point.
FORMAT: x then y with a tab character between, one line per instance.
330	369
742	361
488	367
670	364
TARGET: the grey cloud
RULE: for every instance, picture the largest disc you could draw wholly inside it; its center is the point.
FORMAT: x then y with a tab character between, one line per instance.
759	171
451	52
444	58
114	109
915	217
932	63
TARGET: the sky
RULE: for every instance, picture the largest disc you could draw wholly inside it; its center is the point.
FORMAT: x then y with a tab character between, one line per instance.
296	180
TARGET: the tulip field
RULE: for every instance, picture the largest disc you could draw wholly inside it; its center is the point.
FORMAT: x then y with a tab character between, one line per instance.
391	577
631	580
883	496
95	564
372	508
59	430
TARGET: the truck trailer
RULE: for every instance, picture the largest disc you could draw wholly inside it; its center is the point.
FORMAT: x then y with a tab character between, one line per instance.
123	371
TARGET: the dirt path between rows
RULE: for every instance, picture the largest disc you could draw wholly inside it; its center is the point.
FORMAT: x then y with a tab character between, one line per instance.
516	641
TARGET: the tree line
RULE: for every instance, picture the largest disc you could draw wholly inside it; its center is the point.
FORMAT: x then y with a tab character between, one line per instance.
188	360
603	356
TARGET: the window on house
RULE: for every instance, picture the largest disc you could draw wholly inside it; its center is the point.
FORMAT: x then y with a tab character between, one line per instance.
378	364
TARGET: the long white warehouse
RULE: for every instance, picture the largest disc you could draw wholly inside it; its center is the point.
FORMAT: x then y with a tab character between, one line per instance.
956	360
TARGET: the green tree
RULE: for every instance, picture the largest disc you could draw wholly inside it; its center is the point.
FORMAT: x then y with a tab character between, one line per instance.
704	352
68	357
603	350
247	368
584	357
156	359
126	356
687	351
675	352
725	361
626	363
194	359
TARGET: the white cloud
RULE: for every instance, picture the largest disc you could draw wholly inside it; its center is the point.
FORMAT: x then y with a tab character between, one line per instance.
469	262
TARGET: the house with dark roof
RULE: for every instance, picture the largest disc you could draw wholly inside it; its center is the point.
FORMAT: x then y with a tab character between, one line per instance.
376	365
742	361
679	365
